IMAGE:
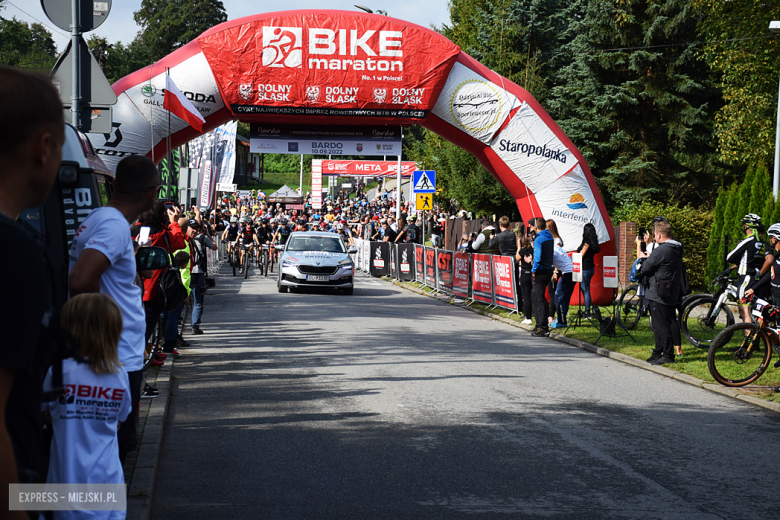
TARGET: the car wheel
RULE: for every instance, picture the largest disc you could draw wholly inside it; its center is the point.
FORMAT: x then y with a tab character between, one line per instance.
281	288
349	291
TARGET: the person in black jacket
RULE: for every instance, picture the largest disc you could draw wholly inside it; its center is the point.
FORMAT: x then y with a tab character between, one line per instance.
506	240
663	269
525	257
588	249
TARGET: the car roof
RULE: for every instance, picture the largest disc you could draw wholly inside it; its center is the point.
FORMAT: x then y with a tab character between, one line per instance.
314	234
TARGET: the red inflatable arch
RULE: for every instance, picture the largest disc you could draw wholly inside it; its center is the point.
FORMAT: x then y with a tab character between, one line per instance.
341	67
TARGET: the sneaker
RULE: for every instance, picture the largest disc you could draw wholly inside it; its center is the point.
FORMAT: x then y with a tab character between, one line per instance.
196	330
527	321
160	356
542	333
554	324
156	362
558	325
653	358
175	353
777	364
150	392
663	360
181	342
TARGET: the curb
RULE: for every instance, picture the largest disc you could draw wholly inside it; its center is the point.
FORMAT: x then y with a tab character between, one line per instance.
661	370
143	468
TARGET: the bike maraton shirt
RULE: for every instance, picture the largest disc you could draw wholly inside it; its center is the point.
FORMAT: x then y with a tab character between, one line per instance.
107	231
85	418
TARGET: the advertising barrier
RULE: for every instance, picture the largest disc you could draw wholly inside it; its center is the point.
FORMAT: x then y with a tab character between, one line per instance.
504	282
430	267
444	270
482	280
419	263
460	275
380	258
610	272
406	262
367	256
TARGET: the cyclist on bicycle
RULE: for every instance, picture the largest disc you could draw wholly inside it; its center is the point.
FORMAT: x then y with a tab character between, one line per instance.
345	234
749	255
231	233
247	236
771	278
282	233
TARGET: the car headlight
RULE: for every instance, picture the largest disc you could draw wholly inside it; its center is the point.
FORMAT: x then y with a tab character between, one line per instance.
345	263
287	263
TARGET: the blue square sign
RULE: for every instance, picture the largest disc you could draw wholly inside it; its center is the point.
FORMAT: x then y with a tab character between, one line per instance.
424	181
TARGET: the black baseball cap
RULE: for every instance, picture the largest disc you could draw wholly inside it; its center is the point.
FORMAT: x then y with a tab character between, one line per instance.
193	223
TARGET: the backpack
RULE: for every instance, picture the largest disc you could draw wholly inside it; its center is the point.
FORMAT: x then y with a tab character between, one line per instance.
636	275
170	289
685	284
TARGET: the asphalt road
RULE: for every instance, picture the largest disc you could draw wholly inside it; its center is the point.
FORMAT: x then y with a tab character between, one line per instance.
387	404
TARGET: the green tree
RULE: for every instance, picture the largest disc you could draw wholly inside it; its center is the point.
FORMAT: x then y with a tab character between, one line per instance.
26	46
167	25
745	61
715	246
638	103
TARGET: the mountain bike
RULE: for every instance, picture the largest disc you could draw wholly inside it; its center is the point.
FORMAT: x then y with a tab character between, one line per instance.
631	307
264	260
233	258
247	258
704	316
740	354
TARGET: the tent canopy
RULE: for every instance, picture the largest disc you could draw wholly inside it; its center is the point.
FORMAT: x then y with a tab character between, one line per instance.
286	195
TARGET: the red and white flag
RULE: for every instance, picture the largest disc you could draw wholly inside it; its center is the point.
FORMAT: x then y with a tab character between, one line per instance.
180	106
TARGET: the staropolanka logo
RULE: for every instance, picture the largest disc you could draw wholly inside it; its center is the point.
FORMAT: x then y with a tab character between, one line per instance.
577	201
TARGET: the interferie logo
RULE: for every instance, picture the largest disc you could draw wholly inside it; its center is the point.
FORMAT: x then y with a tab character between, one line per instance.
282	47
577	201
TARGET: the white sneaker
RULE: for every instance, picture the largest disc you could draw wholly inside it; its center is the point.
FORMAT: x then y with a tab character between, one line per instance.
526	322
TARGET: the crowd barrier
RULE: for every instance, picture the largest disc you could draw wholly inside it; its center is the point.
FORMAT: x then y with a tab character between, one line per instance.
473	277
489	279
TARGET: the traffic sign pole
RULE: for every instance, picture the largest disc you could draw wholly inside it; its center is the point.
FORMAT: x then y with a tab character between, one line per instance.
75	33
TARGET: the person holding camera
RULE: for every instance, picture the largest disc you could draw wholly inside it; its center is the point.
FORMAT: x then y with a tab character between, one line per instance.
199	244
663	273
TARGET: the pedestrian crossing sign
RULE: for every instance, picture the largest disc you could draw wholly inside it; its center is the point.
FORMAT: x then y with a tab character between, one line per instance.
424	181
424	201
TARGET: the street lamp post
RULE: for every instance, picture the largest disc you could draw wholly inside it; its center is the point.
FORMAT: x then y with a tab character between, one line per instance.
775	28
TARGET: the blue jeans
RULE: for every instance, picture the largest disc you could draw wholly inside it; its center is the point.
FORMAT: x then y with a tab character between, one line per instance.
586	276
563	296
197	298
172	328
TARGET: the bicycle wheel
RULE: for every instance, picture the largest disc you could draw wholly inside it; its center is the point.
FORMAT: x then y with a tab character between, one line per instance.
271	261
233	260
153	344
701	322
247	263
265	262
736	359
629	308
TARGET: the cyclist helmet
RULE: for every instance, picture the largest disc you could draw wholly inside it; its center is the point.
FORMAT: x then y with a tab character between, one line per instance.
339	226
751	220
284	221
774	231
233	220
323	225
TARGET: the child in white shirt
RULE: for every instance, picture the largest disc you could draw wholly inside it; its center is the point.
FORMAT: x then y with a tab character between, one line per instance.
85	419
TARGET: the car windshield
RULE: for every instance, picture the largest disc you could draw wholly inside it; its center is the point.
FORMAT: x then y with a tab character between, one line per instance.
326	244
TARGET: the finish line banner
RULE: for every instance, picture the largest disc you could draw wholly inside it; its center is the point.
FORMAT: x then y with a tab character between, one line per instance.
324	140
362	168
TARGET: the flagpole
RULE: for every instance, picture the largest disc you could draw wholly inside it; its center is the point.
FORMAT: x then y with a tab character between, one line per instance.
170	152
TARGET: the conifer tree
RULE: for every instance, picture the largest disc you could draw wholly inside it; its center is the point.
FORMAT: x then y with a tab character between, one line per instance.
715	247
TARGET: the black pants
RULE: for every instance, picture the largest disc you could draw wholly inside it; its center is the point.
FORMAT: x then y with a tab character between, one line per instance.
129	428
526	288
541	309
663	317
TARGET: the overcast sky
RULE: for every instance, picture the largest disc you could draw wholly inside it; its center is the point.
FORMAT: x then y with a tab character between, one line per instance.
120	25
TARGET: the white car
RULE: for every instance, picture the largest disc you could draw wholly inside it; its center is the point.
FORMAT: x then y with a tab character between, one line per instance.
316	259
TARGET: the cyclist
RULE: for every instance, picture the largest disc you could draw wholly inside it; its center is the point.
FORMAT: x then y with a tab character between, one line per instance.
231	233
282	232
344	233
247	236
772	277
750	259
301	225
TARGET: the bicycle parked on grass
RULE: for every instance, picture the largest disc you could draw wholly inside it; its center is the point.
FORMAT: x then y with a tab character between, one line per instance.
741	353
704	316
631	307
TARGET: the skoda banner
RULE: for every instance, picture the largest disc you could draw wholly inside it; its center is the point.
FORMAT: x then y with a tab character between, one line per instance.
430	267
503	282
482	279
419	264
380	258
444	270
460	275
406	262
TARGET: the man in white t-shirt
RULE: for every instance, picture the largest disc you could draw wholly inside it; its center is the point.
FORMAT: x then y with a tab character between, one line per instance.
102	259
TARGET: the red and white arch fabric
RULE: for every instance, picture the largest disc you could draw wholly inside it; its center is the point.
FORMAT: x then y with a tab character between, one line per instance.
340	67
